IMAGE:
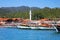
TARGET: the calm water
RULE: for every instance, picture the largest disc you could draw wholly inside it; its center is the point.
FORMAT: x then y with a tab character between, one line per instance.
19	34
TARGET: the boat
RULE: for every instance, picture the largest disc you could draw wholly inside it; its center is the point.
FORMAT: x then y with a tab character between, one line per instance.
58	28
35	28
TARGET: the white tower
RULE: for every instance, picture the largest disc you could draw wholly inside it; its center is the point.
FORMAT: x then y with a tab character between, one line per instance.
30	14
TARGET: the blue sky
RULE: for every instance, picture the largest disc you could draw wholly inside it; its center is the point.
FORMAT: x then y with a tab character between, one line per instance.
30	3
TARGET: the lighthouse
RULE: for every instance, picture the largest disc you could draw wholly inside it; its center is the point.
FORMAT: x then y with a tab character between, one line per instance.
30	14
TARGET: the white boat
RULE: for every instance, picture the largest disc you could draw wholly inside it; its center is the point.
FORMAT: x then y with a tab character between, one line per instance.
38	28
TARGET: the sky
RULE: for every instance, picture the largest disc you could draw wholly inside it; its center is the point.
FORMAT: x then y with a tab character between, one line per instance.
30	3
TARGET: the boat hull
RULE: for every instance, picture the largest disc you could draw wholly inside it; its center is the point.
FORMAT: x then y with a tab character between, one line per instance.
36	28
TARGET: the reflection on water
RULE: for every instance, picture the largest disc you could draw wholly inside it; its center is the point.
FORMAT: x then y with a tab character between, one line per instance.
20	34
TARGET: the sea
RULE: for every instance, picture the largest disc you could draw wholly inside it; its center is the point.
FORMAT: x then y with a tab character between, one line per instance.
23	34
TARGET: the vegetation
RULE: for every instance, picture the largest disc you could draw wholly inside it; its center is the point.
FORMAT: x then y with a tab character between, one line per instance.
23	12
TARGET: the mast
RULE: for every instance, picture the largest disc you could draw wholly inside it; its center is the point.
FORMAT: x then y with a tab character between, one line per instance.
30	13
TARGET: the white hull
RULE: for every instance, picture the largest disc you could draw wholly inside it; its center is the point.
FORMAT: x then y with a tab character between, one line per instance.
24	27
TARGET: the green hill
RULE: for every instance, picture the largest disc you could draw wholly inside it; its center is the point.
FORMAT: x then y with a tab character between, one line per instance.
23	12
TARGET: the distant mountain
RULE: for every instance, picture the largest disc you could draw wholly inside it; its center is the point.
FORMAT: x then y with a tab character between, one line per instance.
23	12
21	8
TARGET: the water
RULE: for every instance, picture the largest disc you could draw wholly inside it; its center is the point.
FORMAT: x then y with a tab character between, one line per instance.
19	34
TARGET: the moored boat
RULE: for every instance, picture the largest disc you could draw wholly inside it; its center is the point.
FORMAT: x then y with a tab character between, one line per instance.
36	28
57	28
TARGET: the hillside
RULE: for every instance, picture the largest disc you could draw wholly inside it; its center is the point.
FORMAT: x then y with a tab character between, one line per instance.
23	12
